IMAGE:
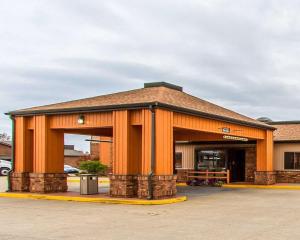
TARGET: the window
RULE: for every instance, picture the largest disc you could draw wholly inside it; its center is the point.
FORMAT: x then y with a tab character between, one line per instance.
178	160
210	159
292	160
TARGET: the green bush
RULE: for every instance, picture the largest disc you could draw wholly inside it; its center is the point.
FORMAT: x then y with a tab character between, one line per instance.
94	167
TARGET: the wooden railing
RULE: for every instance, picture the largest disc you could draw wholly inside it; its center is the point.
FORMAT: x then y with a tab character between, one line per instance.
206	175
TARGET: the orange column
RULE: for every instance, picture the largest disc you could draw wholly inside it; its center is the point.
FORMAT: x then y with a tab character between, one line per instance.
264	160
164	142
48	148
146	142
23	146
121	137
265	153
127	145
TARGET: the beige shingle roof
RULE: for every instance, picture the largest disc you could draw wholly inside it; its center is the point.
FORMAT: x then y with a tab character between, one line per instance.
160	93
287	132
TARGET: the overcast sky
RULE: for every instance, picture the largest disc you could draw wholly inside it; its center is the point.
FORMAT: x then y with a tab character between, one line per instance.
243	55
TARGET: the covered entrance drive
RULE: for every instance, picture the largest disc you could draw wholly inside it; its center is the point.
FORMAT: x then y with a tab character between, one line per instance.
144	125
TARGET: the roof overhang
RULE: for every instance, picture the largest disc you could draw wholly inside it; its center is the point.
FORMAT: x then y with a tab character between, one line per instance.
286	141
136	107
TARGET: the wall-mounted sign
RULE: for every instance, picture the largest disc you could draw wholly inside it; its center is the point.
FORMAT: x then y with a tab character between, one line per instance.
225	130
234	138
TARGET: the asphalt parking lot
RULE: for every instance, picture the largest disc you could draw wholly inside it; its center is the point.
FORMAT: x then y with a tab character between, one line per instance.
210	213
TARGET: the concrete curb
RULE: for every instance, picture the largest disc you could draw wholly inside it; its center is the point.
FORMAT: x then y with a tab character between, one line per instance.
181	185
274	187
94	200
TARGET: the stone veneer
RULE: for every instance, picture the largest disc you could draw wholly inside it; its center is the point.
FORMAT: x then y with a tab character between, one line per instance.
250	164
288	176
48	182
163	186
138	186
19	182
123	186
265	177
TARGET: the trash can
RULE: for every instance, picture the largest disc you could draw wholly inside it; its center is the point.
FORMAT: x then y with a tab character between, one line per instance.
88	184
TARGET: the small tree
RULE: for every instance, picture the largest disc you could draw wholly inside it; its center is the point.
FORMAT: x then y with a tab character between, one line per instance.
94	167
4	137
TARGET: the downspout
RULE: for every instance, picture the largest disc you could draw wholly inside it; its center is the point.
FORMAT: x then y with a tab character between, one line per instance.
152	163
9	188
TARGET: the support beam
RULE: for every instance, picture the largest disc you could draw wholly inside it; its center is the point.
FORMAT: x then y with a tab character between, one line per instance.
19	179
163	182
164	142
264	166
127	154
23	146
48	165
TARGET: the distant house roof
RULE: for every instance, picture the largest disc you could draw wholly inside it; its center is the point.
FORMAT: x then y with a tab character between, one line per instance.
73	153
6	143
161	94
287	131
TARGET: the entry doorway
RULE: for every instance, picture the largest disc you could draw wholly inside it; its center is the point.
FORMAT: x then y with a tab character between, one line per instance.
236	165
221	160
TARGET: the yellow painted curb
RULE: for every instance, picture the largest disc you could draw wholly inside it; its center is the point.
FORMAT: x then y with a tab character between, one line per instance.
262	186
77	181
94	200
181	184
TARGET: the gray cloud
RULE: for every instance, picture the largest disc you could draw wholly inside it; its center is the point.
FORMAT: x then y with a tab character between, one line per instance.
242	55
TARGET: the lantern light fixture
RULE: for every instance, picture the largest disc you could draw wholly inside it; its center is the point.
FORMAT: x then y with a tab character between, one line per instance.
80	120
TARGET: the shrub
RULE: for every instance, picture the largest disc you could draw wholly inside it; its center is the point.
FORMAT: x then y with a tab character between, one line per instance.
94	167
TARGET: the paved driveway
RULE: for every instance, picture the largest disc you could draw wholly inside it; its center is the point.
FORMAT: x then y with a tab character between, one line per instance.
210	213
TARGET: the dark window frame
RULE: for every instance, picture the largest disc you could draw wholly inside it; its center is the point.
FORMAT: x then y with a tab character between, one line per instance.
291	161
178	159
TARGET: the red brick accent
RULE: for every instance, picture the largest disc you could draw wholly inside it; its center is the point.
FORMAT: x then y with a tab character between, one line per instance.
265	177
288	176
48	182
123	186
250	164
19	182
95	155
163	186
5	151
73	161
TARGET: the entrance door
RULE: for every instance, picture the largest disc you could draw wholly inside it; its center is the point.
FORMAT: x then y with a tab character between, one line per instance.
236	165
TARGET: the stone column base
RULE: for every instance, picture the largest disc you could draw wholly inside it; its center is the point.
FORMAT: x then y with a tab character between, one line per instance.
19	182
265	177
123	186
48	182
164	186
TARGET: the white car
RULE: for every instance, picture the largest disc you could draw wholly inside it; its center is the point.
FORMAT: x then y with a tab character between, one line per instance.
5	167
